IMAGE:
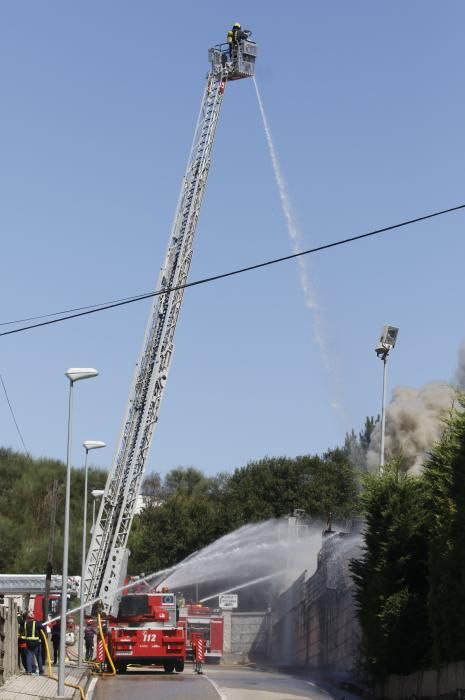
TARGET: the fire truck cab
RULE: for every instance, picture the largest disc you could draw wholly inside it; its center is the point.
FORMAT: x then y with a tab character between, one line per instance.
146	632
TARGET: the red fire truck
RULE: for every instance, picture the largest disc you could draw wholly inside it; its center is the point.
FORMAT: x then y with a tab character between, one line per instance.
200	620
146	632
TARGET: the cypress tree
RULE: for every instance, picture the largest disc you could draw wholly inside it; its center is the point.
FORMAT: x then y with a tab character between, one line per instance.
444	474
391	577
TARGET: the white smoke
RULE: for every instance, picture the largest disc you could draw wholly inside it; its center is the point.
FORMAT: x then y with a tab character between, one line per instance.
414	420
460	371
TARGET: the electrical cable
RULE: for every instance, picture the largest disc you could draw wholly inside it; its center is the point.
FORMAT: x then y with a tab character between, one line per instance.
13	416
130	300
68	311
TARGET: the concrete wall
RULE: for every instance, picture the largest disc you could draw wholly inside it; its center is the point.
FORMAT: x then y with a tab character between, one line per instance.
447	681
248	634
227	631
8	640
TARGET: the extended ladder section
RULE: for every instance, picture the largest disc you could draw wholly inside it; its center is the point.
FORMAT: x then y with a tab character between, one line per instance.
107	557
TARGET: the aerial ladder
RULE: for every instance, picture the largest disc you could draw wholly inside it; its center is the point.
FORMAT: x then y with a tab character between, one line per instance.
106	562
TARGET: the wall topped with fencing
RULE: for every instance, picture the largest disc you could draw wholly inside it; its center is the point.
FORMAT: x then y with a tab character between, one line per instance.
314	623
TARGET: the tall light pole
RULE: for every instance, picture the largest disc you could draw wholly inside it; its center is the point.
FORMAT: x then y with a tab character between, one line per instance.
88	445
74	374
386	343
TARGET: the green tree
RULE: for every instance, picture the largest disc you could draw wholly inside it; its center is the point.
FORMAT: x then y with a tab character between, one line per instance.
391	577
269	488
10	542
273	487
184	480
444	473
365	434
356	446
332	485
164	535
189	514
25	502
151	489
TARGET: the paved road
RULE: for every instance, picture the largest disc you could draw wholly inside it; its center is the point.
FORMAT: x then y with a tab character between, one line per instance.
155	685
251	684
227	684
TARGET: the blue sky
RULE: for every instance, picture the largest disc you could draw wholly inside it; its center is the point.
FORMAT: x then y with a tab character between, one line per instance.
99	101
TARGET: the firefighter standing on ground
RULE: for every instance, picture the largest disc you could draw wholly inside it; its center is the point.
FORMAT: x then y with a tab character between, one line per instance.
89	634
31	633
22	644
56	636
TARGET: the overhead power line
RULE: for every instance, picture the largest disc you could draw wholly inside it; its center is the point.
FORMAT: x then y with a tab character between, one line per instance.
67	311
13	415
96	308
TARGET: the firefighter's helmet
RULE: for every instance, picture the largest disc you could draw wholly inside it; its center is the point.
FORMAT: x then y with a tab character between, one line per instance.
236	24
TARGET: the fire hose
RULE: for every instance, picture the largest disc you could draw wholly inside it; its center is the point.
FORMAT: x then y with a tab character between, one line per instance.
105	646
50	672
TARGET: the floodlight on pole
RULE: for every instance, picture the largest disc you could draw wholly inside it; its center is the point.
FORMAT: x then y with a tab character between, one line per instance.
88	445
74	374
386	343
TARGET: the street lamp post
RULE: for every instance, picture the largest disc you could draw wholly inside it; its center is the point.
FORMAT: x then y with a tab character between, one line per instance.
74	374
88	445
386	343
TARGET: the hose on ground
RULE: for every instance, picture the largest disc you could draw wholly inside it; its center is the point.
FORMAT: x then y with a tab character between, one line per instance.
50	672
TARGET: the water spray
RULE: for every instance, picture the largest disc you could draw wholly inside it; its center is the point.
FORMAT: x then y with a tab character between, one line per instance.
295	237
258	551
252	551
244	585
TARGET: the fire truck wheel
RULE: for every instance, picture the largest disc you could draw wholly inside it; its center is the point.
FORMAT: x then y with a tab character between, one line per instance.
122	668
179	666
168	666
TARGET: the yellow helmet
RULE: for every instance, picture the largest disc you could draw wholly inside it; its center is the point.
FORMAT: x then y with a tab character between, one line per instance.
237	25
